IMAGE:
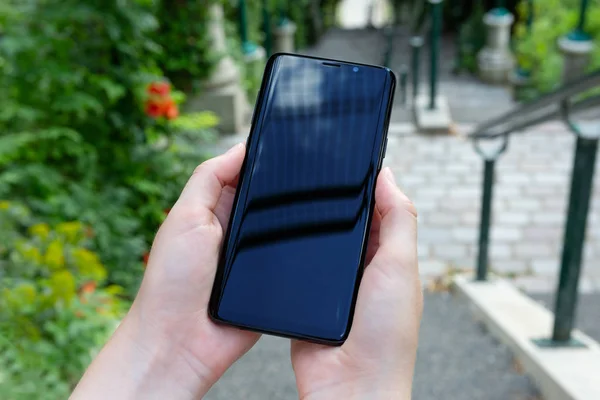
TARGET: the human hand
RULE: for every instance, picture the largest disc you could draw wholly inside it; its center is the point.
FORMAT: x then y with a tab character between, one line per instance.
377	360
167	347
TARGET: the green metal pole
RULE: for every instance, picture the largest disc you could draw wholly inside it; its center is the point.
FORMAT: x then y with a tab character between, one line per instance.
403	82
267	28
416	42
530	12
436	25
582	15
282	15
242	13
387	57
581	190
486	218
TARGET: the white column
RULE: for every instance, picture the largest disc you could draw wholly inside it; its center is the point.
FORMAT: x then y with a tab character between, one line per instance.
495	60
284	37
576	55
222	92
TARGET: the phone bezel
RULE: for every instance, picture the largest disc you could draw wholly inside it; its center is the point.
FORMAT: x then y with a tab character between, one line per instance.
214	298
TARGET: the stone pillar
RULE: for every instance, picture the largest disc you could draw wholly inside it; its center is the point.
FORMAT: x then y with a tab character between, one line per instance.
222	92
284	36
576	48
495	60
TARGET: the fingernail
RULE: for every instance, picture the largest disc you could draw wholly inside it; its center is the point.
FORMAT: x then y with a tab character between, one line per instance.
235	147
390	175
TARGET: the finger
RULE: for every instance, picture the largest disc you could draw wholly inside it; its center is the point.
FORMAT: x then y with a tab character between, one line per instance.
203	190
398	225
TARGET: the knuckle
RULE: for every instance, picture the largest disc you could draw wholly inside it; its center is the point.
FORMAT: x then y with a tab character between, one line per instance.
410	207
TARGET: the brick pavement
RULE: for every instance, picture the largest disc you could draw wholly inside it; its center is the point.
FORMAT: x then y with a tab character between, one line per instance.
442	175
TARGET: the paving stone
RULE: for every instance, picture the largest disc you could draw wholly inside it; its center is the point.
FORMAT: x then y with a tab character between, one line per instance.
516	218
510	266
549	218
535	249
437	236
535	284
501	251
545	267
526	204
423	250
464	234
539	233
432	267
450	251
506	234
443	219
470	217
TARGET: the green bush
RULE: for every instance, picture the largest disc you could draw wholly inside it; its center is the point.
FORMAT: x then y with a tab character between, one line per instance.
186	56
83	134
56	310
537	52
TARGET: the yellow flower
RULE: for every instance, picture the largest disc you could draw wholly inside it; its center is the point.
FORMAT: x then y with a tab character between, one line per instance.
89	264
29	252
40	230
71	230
54	256
24	293
62	285
4	204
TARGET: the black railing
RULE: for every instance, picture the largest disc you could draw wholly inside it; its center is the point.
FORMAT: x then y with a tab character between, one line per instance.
558	104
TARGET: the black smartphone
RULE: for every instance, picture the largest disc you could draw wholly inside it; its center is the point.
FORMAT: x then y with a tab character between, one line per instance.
294	250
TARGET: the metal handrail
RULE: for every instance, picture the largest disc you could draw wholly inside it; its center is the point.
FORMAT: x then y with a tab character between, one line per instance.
534	112
560	103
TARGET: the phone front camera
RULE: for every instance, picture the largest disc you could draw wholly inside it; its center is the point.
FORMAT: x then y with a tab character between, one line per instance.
355	69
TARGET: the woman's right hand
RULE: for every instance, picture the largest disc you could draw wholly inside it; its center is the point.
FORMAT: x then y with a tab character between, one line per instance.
378	358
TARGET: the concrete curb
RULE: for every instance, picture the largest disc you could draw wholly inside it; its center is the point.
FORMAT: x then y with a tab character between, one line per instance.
515	319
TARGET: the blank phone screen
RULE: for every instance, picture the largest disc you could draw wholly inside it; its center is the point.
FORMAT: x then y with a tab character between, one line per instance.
295	246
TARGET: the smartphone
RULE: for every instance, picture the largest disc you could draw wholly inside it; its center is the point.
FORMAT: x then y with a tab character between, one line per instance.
294	250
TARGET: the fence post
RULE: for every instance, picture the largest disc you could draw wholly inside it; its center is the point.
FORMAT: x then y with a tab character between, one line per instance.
267	28
416	42
576	47
519	78
434	48
403	84
489	164
486	216
284	33
495	60
247	46
582	181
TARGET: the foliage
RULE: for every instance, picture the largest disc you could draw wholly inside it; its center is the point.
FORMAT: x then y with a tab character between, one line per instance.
186	56
89	131
537	51
55	309
85	63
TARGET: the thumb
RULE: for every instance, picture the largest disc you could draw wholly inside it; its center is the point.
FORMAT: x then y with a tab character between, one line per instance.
397	252
203	190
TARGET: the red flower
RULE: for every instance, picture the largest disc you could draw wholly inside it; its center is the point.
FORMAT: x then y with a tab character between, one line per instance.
159	88
172	112
145	258
89	232
88	287
153	109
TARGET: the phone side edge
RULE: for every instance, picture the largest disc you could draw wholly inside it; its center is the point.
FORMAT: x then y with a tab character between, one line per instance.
213	304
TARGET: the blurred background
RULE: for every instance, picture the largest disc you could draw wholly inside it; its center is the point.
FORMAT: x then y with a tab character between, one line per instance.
108	105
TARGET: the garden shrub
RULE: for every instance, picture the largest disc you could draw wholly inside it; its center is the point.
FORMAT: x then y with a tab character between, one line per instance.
89	131
537	52
56	310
